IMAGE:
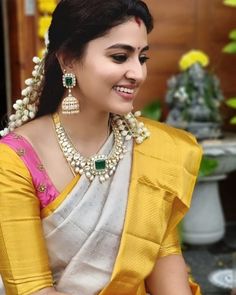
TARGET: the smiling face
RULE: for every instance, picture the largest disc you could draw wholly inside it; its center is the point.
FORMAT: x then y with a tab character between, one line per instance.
112	69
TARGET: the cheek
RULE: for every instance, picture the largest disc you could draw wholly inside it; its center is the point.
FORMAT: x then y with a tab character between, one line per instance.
109	75
100	71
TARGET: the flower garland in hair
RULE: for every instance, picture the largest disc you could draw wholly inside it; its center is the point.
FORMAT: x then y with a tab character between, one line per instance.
26	108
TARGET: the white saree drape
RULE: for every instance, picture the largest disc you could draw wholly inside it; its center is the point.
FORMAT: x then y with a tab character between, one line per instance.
83	234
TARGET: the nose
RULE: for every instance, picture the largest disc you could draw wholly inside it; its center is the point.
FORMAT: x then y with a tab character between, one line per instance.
136	72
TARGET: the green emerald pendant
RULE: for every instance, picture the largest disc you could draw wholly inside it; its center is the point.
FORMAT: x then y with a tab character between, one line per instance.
69	81
100	164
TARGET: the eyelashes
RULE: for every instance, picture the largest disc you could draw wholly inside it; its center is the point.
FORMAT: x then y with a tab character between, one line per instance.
121	58
143	59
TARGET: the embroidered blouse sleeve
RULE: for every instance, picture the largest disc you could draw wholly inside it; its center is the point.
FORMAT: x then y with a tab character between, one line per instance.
24	265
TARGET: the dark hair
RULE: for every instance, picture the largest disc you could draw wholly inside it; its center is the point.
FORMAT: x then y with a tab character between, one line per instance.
74	24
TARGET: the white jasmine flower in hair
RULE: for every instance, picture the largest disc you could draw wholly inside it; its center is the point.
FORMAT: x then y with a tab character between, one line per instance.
46	39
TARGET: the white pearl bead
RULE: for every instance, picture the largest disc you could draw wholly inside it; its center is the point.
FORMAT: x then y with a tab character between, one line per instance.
141	124
128	137
77	170
139	140
137	114
102	178
88	174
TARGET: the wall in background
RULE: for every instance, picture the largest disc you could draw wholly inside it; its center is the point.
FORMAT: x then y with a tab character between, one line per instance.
3	100
183	25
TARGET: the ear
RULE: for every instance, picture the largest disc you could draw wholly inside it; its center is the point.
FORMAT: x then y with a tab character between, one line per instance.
66	62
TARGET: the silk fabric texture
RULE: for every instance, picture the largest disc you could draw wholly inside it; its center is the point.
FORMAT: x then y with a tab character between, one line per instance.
164	171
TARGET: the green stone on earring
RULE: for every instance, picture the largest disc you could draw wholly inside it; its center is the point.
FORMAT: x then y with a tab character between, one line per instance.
68	81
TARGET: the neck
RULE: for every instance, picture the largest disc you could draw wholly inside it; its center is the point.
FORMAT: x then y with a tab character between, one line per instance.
88	130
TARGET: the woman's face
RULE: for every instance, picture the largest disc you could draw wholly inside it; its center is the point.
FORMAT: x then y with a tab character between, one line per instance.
112	69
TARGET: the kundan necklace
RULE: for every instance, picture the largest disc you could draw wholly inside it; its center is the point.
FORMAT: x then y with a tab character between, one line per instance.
99	165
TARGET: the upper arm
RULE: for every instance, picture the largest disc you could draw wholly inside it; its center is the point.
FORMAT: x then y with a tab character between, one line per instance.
169	276
23	257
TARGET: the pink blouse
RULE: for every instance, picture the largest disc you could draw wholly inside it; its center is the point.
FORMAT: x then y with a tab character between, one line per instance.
45	190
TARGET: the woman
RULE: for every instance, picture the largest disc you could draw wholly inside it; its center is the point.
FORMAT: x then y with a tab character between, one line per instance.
88	203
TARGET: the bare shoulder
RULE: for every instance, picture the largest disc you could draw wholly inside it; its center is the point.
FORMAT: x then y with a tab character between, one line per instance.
37	130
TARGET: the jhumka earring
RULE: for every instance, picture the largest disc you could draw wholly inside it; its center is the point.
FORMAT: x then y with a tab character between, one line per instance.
70	104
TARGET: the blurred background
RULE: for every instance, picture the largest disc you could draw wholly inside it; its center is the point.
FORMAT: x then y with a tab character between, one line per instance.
180	26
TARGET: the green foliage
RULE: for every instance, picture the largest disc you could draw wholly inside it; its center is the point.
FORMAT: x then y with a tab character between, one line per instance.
231	102
230	3
208	166
232	35
230	48
153	111
233	120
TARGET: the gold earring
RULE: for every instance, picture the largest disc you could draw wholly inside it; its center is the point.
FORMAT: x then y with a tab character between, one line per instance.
70	104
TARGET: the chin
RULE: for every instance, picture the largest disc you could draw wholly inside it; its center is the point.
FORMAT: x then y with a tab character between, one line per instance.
123	110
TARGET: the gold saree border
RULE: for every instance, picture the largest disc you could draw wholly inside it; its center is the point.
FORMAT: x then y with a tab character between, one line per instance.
50	208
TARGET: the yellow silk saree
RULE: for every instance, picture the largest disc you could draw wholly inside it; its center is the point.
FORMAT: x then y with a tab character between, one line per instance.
163	173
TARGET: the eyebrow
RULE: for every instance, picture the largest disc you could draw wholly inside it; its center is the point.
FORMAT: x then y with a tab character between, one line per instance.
126	47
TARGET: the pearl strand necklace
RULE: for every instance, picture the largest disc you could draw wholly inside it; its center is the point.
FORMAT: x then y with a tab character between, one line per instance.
99	165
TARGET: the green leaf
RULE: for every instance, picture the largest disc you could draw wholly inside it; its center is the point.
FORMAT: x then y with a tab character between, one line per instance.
232	35
230	2
233	120
230	48
153	111
231	102
208	166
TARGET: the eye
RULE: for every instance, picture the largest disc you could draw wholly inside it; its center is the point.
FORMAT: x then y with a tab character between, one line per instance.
119	58
143	59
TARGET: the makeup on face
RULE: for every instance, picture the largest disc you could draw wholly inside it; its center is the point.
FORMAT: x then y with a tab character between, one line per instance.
113	69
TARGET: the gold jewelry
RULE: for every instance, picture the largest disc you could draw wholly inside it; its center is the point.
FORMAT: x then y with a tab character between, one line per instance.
70	104
99	165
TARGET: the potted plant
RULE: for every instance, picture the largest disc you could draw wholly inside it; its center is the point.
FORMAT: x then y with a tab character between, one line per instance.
194	97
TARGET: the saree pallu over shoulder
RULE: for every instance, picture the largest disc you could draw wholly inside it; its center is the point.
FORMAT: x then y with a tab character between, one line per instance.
164	171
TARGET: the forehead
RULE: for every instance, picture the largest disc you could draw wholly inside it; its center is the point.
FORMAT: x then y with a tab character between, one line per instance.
130	32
